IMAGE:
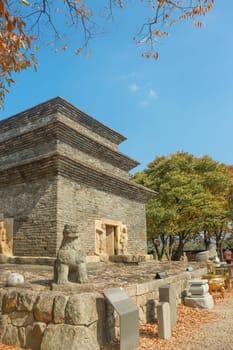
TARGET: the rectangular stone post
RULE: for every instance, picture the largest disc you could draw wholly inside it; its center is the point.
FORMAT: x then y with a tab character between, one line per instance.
164	320
129	317
167	293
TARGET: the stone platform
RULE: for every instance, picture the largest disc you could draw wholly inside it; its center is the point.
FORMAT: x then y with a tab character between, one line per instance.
79	313
101	275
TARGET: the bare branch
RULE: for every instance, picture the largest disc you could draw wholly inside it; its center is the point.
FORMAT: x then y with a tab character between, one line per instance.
22	22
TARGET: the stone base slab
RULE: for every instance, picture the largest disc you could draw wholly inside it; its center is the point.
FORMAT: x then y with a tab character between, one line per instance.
205	302
128	259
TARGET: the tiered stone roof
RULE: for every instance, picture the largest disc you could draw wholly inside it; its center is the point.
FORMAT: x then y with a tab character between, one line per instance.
23	159
59	105
64	133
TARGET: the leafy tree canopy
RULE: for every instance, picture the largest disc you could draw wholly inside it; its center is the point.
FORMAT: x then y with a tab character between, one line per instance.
23	22
194	194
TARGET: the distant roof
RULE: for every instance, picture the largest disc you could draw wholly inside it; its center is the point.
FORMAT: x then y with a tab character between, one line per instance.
58	104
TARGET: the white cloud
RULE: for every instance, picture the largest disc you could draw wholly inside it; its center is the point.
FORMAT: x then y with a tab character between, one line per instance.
152	94
134	87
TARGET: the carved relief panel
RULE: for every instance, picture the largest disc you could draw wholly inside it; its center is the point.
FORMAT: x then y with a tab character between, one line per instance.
100	237
111	237
6	237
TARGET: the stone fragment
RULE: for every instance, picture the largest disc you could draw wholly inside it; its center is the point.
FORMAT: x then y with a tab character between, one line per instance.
14	279
43	310
64	337
60	302
34	335
81	309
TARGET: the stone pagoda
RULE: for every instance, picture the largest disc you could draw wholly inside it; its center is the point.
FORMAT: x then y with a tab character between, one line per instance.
60	166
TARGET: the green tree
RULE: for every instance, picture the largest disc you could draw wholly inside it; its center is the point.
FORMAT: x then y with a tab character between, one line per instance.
217	181
26	21
193	197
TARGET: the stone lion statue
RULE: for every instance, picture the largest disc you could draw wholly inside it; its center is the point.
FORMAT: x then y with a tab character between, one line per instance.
70	264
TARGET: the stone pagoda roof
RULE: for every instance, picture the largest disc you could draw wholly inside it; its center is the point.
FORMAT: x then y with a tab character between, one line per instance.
29	149
60	105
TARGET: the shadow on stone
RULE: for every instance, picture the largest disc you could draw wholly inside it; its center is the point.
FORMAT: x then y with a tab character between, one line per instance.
151	311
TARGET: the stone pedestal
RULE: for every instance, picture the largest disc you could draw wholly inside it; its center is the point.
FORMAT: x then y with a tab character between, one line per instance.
199	287
200	296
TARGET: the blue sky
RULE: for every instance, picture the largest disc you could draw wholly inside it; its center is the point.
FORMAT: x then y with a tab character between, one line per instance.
182	102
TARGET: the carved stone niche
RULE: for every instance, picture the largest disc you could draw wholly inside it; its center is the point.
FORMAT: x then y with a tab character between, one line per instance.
6	236
122	240
100	237
111	237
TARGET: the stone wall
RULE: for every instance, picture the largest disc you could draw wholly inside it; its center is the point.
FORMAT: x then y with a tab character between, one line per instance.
81	205
54	320
33	206
42	207
30	319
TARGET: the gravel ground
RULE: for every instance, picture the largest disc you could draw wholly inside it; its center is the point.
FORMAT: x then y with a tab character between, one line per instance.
217	335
